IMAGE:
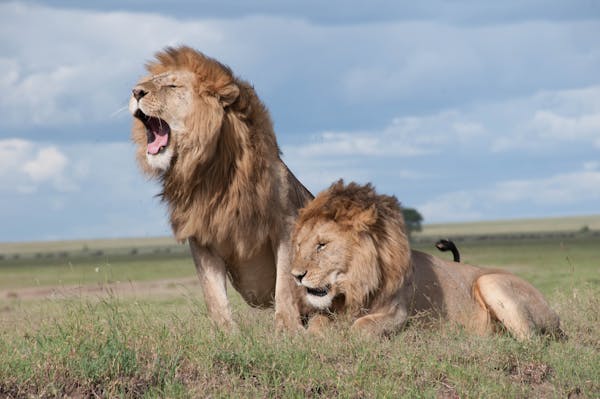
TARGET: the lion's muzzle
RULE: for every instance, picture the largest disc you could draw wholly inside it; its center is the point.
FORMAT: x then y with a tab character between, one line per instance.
318	291
157	131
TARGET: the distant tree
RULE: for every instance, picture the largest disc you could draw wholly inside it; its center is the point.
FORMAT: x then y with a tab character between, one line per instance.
412	219
584	230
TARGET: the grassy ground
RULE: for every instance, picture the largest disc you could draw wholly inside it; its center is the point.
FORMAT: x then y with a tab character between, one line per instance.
93	270
162	344
516	226
550	264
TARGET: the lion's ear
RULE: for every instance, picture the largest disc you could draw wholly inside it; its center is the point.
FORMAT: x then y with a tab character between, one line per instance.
365	219
228	94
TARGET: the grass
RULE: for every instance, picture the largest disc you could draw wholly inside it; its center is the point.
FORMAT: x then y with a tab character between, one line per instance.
132	349
28	248
157	345
550	264
96	270
545	225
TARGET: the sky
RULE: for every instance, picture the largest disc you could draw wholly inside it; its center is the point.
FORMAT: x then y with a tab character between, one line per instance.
464	110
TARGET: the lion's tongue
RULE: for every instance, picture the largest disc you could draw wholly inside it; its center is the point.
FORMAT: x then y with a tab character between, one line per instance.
161	139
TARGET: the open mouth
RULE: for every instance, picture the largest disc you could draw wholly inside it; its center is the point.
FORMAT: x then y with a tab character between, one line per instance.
318	291
157	132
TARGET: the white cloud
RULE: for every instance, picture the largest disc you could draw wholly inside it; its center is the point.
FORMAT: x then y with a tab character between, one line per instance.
80	71
561	191
544	121
48	164
25	166
550	119
76	190
560	127
432	98
403	137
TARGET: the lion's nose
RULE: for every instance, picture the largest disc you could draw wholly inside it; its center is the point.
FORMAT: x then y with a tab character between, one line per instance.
299	276
139	93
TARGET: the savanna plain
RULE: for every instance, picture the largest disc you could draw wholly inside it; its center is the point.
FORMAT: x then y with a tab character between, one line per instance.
125	318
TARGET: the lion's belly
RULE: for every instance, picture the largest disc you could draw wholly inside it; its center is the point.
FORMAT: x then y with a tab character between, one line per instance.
254	278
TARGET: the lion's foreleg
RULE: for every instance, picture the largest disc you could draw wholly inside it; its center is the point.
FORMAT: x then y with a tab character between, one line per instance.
382	321
213	274
287	314
318	323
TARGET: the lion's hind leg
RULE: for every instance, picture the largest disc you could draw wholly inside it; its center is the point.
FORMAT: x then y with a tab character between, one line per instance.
516	304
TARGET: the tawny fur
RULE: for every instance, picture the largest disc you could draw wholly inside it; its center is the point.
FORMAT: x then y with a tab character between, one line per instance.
368	221
399	283
226	187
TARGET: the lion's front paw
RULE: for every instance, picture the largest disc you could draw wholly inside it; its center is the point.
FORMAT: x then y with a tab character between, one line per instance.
287	323
366	326
318	324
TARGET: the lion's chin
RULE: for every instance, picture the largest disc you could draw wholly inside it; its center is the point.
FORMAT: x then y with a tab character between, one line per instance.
320	298
160	161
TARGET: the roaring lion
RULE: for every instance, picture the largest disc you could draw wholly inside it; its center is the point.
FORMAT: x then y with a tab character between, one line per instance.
352	257
207	137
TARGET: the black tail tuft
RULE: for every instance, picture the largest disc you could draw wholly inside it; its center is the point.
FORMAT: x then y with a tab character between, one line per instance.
447	245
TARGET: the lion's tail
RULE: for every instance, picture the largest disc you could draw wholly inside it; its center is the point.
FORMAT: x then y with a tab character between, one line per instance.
447	245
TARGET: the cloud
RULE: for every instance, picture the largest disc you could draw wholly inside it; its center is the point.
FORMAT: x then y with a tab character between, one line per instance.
567	191
471	111
80	71
542	121
26	166
48	164
402	137
463	148
551	119
75	190
344	12
559	127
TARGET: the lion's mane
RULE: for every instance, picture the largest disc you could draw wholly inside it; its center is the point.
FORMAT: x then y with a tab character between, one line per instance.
222	185
380	262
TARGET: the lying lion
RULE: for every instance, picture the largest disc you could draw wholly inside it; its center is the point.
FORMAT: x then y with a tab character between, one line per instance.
209	140
351	256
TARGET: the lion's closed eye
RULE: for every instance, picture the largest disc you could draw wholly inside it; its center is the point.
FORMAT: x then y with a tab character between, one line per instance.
321	246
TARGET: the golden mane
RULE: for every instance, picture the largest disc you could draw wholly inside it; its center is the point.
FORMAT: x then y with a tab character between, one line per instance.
208	138
352	242
364	214
222	189
207	69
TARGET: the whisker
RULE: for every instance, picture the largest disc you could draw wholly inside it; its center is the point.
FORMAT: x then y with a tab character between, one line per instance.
118	111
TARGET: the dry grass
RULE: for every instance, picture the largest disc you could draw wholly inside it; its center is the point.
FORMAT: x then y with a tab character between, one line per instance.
545	225
160	344
158	348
